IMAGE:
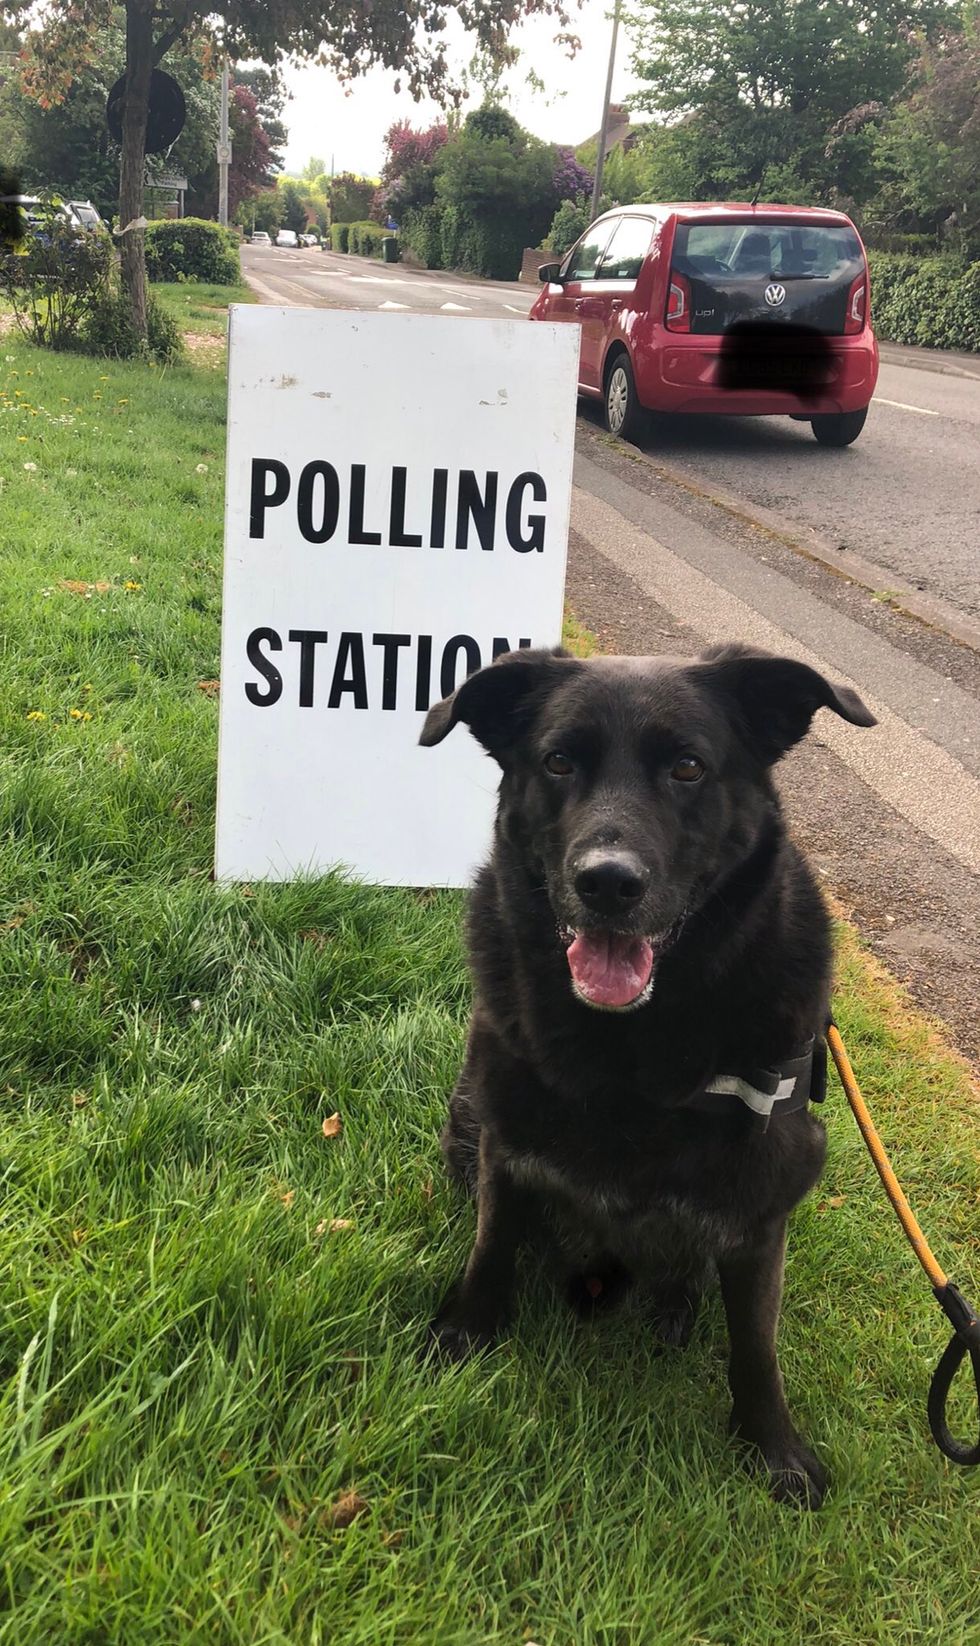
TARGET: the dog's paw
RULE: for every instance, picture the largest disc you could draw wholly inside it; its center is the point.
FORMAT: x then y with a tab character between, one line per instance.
452	1338
597	1289
673	1313
795	1474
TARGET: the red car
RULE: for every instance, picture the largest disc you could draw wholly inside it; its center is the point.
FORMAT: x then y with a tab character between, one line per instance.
746	310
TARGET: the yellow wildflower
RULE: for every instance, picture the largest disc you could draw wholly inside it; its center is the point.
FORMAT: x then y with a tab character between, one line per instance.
131	584
37	714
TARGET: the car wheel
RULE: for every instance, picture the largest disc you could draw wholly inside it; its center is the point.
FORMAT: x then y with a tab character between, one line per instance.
838	428
624	415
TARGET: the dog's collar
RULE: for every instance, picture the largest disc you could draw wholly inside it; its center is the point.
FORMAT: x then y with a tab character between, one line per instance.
776	1090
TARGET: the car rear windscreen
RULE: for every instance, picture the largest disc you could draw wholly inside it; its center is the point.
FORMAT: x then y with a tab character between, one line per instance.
768	273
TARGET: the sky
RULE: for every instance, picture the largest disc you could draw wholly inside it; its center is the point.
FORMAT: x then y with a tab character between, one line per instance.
350	129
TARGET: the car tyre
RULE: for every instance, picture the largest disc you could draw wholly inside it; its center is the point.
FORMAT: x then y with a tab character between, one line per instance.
838	428
624	416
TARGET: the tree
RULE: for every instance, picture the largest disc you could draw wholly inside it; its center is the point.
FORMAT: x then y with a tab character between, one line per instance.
251	159
292	205
495	183
406	35
759	87
350	197
931	144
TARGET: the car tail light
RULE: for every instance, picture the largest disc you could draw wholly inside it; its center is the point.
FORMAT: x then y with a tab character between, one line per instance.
678	303
857	306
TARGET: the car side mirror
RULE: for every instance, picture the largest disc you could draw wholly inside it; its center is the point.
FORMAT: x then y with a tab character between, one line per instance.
550	274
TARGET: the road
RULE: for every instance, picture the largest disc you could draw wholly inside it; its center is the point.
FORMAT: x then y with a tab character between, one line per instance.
679	546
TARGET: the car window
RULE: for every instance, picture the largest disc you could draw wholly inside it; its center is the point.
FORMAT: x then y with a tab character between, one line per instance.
580	264
623	257
767	251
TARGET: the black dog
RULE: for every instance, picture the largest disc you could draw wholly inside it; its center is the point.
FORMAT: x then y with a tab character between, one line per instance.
651	960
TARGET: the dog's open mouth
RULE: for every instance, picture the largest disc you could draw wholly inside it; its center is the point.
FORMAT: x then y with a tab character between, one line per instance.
610	969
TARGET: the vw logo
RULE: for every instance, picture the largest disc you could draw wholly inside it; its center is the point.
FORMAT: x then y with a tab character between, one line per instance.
775	295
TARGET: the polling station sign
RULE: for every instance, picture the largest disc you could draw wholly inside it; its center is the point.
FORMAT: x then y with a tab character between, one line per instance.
396	515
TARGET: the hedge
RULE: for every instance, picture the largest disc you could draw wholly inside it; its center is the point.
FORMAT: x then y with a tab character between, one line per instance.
339	234
366	238
932	302
188	248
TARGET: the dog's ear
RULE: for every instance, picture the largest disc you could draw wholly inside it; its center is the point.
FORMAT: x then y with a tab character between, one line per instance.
777	697
499	702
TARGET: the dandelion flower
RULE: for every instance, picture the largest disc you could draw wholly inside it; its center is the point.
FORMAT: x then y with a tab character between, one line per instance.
37	714
202	468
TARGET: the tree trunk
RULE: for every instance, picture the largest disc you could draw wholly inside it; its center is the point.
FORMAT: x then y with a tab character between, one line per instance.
139	68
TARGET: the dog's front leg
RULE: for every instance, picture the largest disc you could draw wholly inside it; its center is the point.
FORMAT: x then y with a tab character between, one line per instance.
752	1284
479	1305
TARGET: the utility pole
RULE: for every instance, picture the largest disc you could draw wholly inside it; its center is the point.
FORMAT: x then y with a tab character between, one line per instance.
224	147
600	158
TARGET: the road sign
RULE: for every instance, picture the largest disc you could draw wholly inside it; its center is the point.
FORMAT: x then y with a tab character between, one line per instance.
167	111
224	154
396	513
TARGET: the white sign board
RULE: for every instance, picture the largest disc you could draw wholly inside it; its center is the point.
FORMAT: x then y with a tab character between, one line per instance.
396	514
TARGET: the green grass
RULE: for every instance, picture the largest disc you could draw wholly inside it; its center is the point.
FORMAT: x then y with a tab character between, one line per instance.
201	308
195	1364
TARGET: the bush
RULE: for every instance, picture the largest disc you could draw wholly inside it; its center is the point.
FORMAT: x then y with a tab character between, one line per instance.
366	238
188	248
109	330
570	220
55	279
339	235
931	302
421	232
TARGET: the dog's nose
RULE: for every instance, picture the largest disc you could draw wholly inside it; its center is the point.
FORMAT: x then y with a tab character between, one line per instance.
610	883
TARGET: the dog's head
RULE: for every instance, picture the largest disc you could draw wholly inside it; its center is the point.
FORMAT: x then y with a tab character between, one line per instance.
635	785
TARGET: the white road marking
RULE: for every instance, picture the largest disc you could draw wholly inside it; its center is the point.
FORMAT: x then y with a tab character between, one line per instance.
513	310
923	411
458	308
390	305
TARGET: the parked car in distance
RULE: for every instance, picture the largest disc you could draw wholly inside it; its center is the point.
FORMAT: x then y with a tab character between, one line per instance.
35	213
722	308
260	238
88	215
309	240
287	238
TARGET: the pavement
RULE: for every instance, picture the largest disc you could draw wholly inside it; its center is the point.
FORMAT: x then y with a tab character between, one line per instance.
730	530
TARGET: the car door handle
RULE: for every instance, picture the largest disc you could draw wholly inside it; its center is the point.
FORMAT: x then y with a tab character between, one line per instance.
616	304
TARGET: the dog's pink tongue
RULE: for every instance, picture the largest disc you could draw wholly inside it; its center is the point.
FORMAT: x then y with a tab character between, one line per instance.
610	970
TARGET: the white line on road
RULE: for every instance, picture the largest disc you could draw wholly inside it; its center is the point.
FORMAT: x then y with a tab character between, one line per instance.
390	305
458	308
515	311
923	411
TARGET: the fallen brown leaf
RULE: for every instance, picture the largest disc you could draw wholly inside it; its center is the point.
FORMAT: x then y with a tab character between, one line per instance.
12	924
73	585
836	1200
210	688
346	1509
318	939
288	1198
340	1223
320	1229
332	1126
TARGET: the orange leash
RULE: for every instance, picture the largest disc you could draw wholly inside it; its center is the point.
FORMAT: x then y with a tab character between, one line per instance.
961	1315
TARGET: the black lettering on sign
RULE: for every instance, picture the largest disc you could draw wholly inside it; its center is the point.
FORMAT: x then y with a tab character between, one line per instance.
357	533
254	693
261	498
350	654
423	672
501	645
481	508
397	536
318	530
437	528
308	640
536	522
389	678
458	643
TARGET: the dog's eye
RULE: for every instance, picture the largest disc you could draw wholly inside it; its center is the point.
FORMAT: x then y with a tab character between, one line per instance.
558	764
688	769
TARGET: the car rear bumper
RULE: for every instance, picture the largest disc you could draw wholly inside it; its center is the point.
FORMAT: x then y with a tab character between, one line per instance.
696	375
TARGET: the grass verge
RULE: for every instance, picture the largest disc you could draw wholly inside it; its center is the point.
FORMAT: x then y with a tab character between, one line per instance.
215	1426
200	308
